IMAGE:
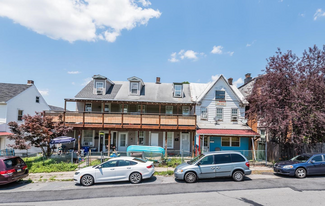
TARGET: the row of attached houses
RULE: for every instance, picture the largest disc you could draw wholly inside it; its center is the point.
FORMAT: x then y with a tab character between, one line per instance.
183	118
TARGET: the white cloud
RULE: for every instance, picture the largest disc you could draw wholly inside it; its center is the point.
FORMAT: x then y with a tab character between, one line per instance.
173	58
250	44
238	82
302	15
72	20
86	81
73	72
182	54
217	50
319	13
230	53
215	77
73	83
44	92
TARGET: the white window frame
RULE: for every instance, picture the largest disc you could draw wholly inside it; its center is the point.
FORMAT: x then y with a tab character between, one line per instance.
143	108
221	120
263	137
230	142
173	140
86	108
206	112
22	114
39	99
109	107
93	138
97	83
189	110
216	95
126	106
143	136
176	90
137	89
233	115
170	107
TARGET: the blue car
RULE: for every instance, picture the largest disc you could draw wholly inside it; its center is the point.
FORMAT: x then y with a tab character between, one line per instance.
302	165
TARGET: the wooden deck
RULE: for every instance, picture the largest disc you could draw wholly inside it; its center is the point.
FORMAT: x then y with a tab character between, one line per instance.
127	120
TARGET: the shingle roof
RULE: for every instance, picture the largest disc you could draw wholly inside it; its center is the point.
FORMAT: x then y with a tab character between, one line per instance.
8	91
57	109
151	92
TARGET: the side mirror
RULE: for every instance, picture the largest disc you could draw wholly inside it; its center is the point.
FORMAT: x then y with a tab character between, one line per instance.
313	161
99	167
198	164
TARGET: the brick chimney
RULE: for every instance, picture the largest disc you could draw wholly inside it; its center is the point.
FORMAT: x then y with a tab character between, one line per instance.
30	82
230	81
247	78
157	80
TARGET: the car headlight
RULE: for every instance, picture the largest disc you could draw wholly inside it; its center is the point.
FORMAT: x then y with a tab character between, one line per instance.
288	167
179	171
77	173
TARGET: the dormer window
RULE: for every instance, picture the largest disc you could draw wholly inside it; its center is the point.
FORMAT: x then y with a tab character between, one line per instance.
99	85
178	90
134	87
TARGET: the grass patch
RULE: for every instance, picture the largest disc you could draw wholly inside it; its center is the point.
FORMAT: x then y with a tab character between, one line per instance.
36	165
52	178
164	173
66	180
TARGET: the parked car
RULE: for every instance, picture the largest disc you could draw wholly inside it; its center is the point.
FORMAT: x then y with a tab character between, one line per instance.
302	165
214	164
116	169
12	169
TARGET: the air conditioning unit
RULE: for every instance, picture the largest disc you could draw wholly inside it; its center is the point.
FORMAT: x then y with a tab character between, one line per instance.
234	119
100	91
244	122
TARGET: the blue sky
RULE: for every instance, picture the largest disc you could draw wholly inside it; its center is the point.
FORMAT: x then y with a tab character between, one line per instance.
183	40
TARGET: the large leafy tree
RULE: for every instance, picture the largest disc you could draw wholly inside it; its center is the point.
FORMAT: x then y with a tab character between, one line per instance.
37	131
289	98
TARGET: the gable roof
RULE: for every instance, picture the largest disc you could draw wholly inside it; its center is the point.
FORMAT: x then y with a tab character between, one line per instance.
246	89
9	91
238	94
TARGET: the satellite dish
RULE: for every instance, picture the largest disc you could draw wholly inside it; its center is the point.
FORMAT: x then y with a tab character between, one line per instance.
244	121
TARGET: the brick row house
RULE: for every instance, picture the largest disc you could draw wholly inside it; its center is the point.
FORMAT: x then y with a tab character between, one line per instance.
116	114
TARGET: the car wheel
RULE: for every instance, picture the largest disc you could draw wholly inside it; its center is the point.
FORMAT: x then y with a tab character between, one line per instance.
301	173
135	178
87	180
238	176
190	177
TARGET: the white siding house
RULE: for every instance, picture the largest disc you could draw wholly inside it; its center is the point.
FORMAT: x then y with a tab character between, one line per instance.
17	100
220	110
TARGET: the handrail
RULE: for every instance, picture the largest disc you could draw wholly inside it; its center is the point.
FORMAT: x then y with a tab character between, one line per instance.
125	113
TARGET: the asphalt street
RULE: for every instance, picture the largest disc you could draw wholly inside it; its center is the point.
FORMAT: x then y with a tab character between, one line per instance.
255	190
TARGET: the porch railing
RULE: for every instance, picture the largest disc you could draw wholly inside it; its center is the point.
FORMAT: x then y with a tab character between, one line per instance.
126	120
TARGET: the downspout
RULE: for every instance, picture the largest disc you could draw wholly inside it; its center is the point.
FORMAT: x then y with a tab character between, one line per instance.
253	148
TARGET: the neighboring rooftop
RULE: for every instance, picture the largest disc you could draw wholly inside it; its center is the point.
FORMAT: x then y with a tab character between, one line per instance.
56	109
9	91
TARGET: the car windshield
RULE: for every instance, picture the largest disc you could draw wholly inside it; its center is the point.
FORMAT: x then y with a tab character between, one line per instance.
301	158
195	159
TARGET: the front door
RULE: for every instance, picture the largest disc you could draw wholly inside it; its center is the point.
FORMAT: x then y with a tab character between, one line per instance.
107	172
154	139
207	167
123	141
185	144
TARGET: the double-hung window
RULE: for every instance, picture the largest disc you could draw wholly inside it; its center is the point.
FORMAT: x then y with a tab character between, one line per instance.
143	108
20	115
37	99
169	109
230	141
106	108
178	90
88	107
125	108
219	115
186	110
234	115
204	113
99	85
88	137
134	87
220	95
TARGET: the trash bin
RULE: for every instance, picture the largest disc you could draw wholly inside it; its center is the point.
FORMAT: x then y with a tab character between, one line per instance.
86	150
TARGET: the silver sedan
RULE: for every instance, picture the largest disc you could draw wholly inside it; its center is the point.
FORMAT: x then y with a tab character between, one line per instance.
116	169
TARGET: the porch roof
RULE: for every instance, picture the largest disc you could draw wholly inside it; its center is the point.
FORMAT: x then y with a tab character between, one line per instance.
5	133
228	132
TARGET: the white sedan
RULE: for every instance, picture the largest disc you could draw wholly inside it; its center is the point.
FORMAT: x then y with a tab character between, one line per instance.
116	169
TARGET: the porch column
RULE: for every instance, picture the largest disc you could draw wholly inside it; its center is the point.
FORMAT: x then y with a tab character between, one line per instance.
193	145
139	133
98	141
104	146
203	144
79	141
165	144
109	142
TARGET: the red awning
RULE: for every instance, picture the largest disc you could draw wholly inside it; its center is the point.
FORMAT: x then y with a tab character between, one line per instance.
227	132
5	133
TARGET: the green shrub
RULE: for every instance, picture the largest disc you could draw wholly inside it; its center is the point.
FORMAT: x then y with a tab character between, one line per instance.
173	162
36	165
164	173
